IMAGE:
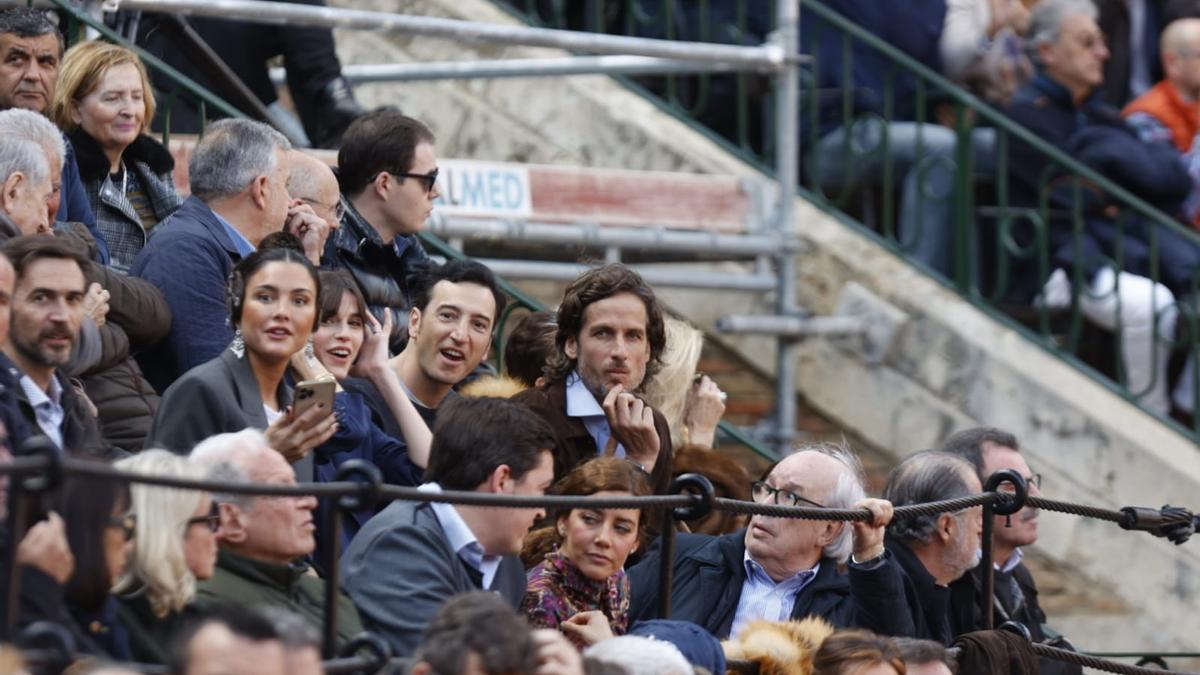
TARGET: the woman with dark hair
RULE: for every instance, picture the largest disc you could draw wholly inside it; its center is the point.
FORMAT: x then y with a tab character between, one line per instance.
349	341
100	532
272	296
579	585
857	652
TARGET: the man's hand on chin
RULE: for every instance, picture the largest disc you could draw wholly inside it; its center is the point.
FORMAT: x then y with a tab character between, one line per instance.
632	424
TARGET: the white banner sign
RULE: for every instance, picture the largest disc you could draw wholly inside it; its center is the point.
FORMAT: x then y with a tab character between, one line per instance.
487	189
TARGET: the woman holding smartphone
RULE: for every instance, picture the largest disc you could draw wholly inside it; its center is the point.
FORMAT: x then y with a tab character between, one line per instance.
272	297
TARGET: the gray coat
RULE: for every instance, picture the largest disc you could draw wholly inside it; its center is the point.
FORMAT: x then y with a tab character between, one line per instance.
150	165
399	570
216	397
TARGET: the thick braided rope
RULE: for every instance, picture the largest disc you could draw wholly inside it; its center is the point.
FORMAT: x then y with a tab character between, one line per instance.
861	515
1098	663
1075	509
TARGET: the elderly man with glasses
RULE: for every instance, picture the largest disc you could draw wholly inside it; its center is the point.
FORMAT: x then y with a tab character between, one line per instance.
781	568
387	170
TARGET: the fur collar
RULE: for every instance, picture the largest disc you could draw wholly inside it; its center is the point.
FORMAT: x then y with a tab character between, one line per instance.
93	165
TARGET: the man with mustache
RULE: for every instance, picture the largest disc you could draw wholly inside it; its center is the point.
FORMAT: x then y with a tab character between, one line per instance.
1016	597
609	344
935	551
47	310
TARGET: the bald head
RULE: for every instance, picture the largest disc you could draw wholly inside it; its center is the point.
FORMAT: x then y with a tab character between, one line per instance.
313	182
1180	45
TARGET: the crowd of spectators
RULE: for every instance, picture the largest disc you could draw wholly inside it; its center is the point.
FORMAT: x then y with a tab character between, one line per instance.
182	338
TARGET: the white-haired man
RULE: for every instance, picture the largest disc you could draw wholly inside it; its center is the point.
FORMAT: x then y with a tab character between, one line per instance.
264	539
31	156
779	568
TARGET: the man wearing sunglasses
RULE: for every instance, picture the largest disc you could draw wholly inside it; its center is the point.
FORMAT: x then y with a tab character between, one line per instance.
783	568
387	170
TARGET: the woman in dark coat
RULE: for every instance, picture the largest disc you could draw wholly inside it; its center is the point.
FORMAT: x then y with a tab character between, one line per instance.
104	102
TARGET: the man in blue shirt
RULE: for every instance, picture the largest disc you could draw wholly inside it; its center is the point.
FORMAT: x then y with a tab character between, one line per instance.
239	173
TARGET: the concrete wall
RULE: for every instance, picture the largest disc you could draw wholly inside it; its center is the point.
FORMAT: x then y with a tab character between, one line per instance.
941	365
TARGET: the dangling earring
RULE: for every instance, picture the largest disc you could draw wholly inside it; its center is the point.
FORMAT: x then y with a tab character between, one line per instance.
238	346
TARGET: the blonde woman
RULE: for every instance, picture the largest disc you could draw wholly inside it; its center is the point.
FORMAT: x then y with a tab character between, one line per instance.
176	544
693	406
104	103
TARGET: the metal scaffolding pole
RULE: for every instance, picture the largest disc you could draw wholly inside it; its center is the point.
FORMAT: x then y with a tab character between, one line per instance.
787	148
554	271
551	67
649	239
768	57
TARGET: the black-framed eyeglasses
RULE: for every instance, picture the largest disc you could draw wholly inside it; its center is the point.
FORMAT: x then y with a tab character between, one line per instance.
127	524
762	491
212	520
338	208
429	178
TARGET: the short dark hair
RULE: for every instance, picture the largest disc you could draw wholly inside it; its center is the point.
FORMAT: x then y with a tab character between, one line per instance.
459	271
474	436
27	22
245	622
24	251
852	646
481	623
235	287
529	347
594	285
926	476
917	652
335	284
384	140
968	444
86	506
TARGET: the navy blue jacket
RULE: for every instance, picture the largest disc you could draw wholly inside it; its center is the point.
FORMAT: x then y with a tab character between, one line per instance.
189	257
709	573
914	27
358	438
1094	133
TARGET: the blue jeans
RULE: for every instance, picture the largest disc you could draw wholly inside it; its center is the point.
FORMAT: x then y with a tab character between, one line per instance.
922	159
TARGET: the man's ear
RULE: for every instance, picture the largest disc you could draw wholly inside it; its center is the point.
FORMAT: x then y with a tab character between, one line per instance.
501	481
12	188
258	191
414	323
571	347
421	668
946	526
830	532
233	523
382	182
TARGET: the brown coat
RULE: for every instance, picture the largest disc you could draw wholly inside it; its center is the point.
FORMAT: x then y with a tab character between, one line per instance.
575	444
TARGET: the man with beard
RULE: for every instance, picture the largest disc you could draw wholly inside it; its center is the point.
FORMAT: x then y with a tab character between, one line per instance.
47	309
609	344
934	551
1016	595
781	568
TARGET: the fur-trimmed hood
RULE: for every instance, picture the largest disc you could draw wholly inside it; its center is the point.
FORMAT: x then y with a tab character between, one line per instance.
93	165
780	647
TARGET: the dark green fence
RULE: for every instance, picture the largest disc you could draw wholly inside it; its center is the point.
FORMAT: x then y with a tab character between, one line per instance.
928	173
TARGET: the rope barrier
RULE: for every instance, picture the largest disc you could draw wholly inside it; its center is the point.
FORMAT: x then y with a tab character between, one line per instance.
1075	509
1088	661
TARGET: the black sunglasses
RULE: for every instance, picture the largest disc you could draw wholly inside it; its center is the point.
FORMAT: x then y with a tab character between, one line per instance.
429	178
213	519
761	490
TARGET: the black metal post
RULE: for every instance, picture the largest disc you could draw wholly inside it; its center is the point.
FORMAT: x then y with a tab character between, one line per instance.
666	567
18	517
985	560
331	545
699	486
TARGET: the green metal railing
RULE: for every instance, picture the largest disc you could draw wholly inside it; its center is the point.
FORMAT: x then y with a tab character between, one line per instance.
521	300
995	251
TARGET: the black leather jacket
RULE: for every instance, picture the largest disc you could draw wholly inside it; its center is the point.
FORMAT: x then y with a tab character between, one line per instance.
383	271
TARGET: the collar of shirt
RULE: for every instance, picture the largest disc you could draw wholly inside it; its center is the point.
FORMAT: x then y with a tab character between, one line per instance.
240	242
461	538
47	406
756	574
1013	560
582	404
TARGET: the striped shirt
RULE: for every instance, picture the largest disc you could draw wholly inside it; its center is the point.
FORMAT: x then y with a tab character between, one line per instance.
763	598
